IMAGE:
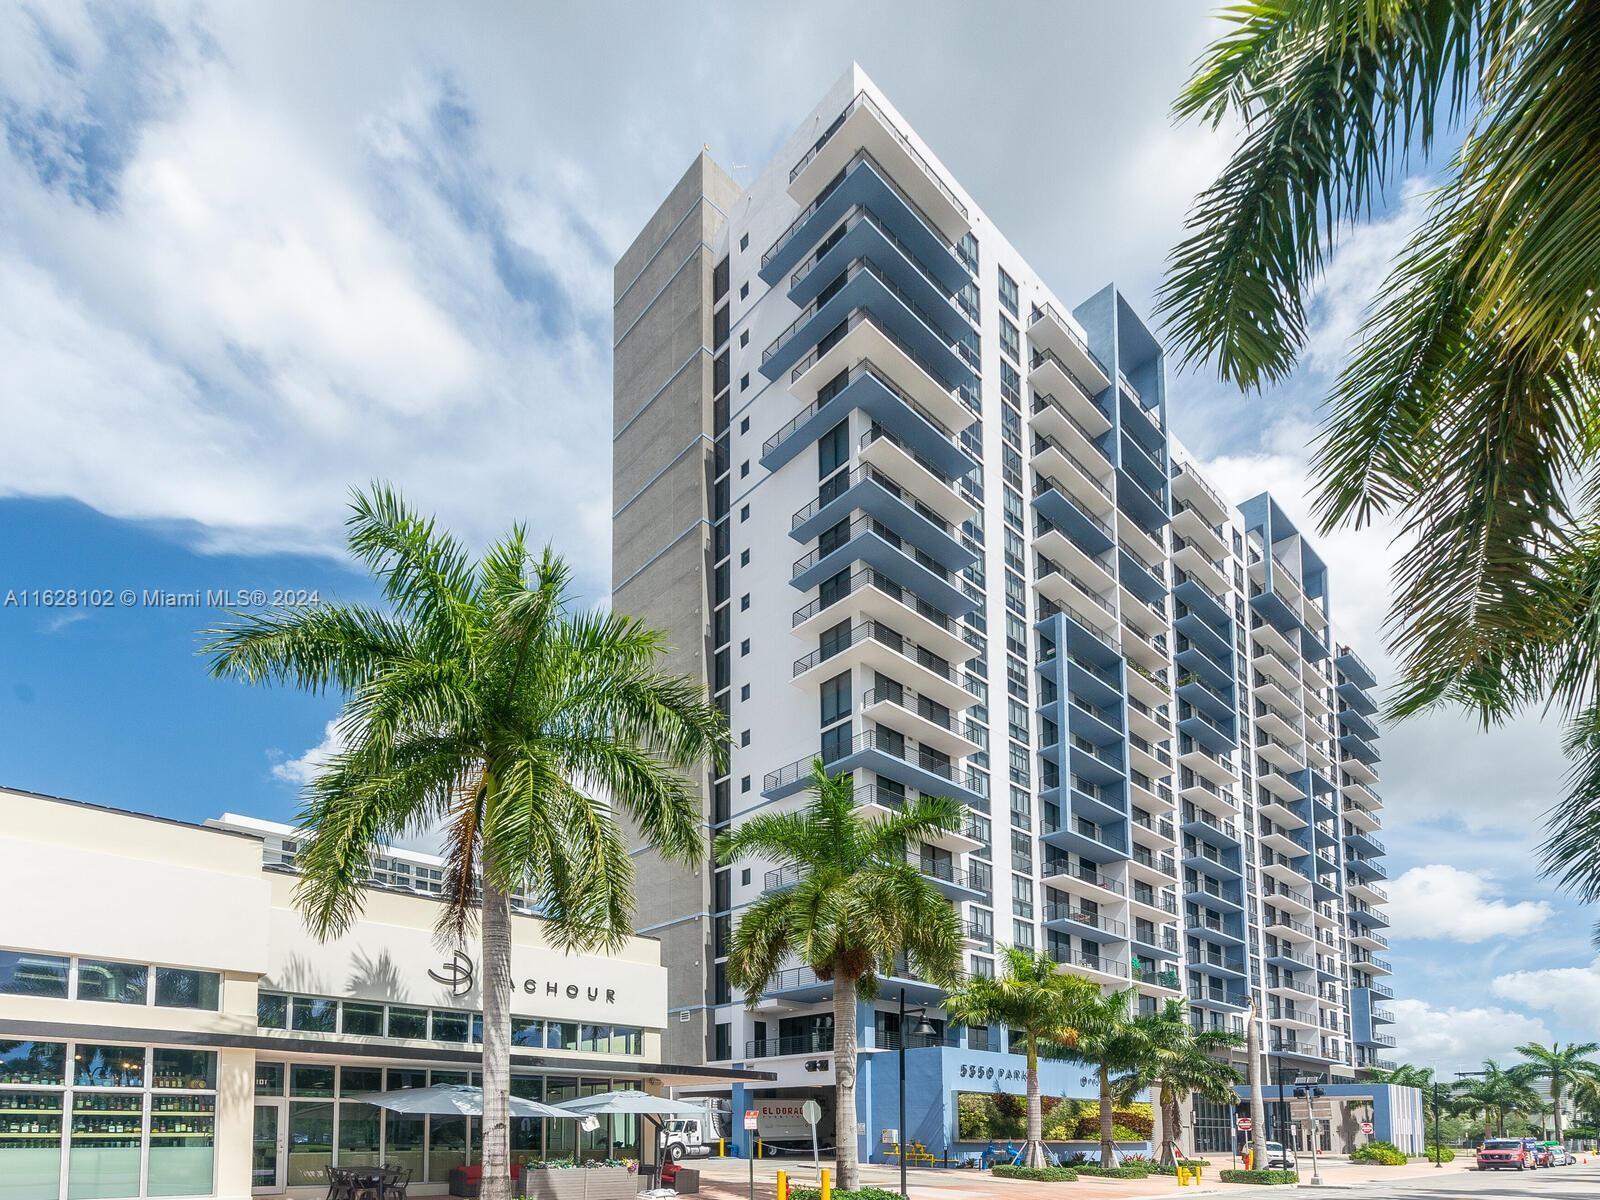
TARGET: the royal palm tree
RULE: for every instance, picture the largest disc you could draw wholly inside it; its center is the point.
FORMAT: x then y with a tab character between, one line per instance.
481	699
1178	1060
1405	1075
1105	1036
1034	999
1466	413
853	906
1560	1067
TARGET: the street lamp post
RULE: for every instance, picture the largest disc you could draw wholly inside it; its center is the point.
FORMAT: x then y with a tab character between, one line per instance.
925	1028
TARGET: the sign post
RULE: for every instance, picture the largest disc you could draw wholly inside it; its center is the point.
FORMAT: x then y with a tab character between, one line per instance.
812	1112
1366	1128
752	1121
1242	1125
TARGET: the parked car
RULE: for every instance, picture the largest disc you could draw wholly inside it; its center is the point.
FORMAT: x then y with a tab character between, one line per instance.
1539	1155
1500	1154
1558	1154
1278	1159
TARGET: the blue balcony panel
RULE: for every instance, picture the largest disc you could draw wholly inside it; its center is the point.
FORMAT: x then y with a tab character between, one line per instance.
1276	611
1202	634
1201	998
1366	868
864	184
1355	747
865	288
1149	511
1197	692
1105	772
1351	664
1111	846
1363	842
1225	936
1203	604
1356	697
1206	732
1228	968
1095	684
1138	580
1064	918
1194	661
1374	917
871	548
1226	872
1102	727
866	238
1067	515
1313	643
799	985
869	494
1140	421
1357	723
1219	839
1143	464
1224	902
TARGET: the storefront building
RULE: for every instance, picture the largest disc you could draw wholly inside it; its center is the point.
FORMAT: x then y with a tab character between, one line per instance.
169	1028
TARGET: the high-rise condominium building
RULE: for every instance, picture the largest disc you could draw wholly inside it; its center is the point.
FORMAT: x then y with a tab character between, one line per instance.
904	509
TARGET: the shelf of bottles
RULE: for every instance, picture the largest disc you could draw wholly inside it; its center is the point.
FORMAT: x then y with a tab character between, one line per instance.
181	1120
29	1120
104	1122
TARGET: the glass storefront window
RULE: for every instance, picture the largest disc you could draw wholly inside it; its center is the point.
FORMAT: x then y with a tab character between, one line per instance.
403	1136
306	1080
269	1078
178	988
627	1041
315	1016
184	1069
30	1145
560	1141
561	1035
595	1143
363	1020
447	1146
399	1077
449	1026
108	1066
310	1137
272	1011
408	1023
118	983
107	1132
182	1140
449	1077
26	974
355	1080
526	1132
527	1031
358	1135
33	1063
596	1039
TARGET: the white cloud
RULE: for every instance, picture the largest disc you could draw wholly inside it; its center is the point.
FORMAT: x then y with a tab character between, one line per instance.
1446	903
1454	1039
302	770
1572	994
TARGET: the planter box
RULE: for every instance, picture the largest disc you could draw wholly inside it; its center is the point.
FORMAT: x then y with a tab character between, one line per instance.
580	1183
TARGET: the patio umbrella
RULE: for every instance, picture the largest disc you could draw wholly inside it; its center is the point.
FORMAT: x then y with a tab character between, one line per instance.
457	1100
634	1104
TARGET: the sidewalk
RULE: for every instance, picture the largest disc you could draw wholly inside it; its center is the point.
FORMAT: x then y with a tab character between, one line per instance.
728	1179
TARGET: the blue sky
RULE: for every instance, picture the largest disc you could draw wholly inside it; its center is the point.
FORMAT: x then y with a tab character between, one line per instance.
251	256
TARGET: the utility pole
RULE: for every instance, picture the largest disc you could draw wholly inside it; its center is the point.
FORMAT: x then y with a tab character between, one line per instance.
1258	1124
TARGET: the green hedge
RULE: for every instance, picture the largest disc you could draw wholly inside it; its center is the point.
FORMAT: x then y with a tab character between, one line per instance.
866	1193
1383	1154
1035	1174
1259	1176
1113	1172
1445	1154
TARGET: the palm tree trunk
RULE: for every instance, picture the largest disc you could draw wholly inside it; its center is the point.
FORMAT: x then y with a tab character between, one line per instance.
496	986
1555	1102
1034	1150
847	1159
1258	1106
1169	1125
1108	1142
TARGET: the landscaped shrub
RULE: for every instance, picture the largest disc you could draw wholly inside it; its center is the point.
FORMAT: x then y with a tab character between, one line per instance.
1114	1172
866	1193
1002	1117
1127	1125
1383	1154
1444	1154
1036	1174
1259	1176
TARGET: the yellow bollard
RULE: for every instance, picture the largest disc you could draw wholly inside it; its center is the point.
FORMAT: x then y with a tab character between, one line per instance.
827	1185
758	1148
783	1185
1183	1177
722	1147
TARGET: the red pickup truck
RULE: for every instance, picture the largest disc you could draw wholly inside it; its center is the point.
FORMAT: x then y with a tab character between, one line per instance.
1498	1154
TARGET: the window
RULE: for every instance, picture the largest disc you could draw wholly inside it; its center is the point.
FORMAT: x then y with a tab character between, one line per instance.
1008	292
408	1023
527	1031
269	1078
173	1070
1010	342
310	1015
363	1020
744	242
450	1026
272	1012
25	974
744	877
744	558
744	382
744	468
744	291
33	1063
117	983
744	422
176	988
744	648
744	691
744	513
744	737
744	602
744	783
108	1066
836	699
744	338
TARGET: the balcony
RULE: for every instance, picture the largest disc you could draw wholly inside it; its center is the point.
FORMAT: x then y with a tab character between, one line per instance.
1147	863
885	650
1354	721
930	722
867	490
916	476
1220	998
874	544
1048	375
1085	922
1054	546
1205	538
864	126
1352	746
878	804
1052	418
1355	668
1050	331
1191	557
1188	486
1070	594
871	597
817	1042
1062	873
893	757
1071	474
1356	697
1096	964
1089	841
1167	980
864	286
1364	914
1220	965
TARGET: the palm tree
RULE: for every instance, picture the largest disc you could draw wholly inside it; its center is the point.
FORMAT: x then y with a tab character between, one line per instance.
1258	1106
1466	412
482	700
1178	1060
1104	1035
856	906
1561	1068
1405	1075
1034	998
1496	1094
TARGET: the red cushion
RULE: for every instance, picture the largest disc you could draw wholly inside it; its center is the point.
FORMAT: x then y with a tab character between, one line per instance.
473	1173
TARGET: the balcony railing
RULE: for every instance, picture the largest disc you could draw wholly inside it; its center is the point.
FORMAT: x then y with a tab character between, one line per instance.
820	1042
928	710
1090	962
1047	309
1043	441
1057	910
864	101
1040	357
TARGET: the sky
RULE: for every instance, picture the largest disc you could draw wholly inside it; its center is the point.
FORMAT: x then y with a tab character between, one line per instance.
252	256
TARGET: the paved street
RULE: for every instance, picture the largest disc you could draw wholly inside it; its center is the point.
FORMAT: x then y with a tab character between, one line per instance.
1558	1183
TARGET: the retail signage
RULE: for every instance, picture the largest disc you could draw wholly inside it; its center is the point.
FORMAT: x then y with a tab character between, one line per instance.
458	973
